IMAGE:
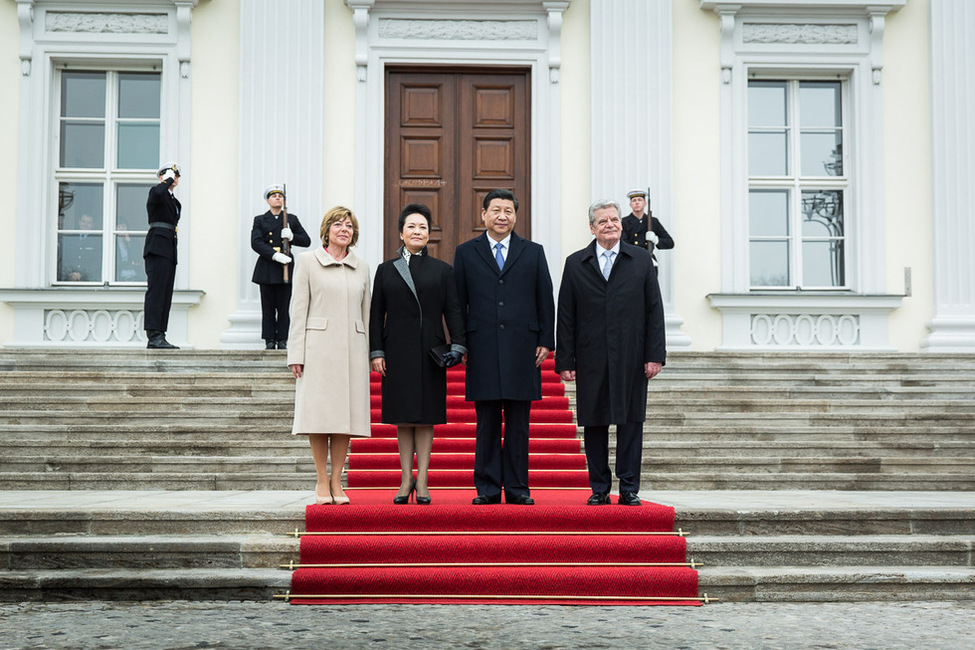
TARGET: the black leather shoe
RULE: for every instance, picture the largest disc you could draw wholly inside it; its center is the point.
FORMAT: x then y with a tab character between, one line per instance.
282	345
598	499
520	500
270	344
157	341
629	499
484	500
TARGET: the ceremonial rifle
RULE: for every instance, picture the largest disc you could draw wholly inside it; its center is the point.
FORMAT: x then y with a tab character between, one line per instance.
285	243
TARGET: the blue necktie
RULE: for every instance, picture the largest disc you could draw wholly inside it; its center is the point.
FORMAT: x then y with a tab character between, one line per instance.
608	266
498	257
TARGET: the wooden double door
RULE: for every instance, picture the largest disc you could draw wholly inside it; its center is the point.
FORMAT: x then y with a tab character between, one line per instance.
452	136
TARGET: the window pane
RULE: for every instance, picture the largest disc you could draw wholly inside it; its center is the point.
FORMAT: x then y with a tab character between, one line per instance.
129	266
80	257
822	154
138	95
768	154
130	207
822	264
767	103
822	213
768	213
769	261
82	144
77	201
82	94
138	146
819	103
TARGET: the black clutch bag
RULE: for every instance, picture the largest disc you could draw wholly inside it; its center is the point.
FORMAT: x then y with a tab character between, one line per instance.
438	352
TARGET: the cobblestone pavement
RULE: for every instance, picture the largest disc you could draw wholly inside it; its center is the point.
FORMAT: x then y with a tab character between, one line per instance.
278	625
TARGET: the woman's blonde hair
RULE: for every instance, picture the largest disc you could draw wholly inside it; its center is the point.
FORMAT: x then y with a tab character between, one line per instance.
338	213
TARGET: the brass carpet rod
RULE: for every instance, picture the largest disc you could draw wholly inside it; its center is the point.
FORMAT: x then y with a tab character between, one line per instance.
291	566
525	597
297	533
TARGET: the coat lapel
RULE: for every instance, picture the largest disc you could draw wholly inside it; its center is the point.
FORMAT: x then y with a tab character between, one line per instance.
483	248
403	268
516	246
593	260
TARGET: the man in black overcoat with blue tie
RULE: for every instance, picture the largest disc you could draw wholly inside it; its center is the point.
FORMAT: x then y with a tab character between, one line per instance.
505	290
611	342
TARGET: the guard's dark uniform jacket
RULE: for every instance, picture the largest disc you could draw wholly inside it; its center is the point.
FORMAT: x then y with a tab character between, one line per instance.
635	232
265	238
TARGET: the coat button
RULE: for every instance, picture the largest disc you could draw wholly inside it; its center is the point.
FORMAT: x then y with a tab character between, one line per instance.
502	325
501	303
500	281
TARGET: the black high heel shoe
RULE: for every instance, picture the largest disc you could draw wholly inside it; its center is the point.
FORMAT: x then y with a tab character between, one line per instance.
421	501
402	501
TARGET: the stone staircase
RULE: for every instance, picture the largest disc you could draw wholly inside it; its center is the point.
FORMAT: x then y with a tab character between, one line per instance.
129	475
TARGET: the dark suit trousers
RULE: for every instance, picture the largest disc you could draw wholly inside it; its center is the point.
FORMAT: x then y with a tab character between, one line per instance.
498	466
275	320
160	278
629	456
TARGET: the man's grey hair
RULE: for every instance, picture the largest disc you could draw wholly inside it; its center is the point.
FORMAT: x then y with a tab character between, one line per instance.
599	205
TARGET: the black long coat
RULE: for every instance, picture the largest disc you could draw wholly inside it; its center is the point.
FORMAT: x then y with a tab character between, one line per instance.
162	206
265	237
509	314
404	323
607	331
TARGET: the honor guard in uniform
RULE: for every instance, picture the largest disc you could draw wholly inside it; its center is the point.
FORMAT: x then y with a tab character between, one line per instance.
641	228
159	253
272	235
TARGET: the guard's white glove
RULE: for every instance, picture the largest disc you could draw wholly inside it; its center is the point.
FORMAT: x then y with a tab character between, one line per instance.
168	174
281	258
652	237
287	234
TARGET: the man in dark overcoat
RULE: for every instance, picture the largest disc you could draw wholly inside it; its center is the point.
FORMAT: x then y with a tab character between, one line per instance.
641	228
611	341
268	235
505	291
159	253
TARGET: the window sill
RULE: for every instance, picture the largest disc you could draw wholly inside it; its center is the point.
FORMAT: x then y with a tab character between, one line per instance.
792	320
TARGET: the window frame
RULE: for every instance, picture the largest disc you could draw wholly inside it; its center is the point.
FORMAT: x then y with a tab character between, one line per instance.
110	176
795	183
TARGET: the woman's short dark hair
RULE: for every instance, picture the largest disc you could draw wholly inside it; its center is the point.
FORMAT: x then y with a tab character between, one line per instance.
504	195
414	208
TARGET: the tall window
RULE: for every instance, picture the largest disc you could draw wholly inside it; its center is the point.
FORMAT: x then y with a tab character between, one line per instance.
108	152
798	187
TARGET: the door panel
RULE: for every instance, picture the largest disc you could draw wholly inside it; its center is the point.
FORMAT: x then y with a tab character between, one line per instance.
452	136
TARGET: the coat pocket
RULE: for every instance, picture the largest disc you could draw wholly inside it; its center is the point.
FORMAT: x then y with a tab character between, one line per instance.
316	323
360	327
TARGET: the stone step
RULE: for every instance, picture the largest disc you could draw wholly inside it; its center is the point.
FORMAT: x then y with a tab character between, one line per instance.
282	407
296	480
841	583
296	446
143	584
833	550
148	552
268	465
715	480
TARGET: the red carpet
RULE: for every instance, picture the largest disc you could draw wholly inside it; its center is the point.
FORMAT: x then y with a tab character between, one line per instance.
559	551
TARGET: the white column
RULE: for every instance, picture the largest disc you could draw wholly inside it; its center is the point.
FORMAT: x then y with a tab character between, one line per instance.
952	329
282	50
631	117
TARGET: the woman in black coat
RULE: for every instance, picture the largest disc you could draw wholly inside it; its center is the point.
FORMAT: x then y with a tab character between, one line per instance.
413	296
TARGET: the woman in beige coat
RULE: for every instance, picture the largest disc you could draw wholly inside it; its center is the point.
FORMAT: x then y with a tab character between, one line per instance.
328	349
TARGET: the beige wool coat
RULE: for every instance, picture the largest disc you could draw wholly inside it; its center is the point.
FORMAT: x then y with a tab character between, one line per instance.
329	336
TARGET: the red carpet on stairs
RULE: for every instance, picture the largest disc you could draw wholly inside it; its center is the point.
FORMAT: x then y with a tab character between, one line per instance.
559	551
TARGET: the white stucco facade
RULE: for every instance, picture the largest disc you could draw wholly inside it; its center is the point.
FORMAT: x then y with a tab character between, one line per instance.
624	93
